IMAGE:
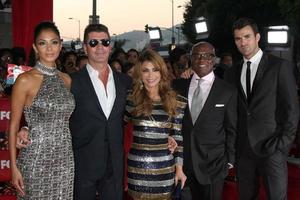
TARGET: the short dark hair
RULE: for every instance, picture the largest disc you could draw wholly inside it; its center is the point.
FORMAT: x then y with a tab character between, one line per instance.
245	21
46	25
223	55
127	66
17	53
3	51
175	54
133	50
66	55
94	28
116	52
81	57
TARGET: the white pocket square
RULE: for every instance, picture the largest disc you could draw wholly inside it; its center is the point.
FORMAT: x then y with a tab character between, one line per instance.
219	105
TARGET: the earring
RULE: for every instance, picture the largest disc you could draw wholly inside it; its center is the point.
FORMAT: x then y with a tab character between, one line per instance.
141	85
37	56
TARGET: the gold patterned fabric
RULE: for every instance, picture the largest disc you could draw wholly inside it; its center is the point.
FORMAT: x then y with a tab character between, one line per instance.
151	166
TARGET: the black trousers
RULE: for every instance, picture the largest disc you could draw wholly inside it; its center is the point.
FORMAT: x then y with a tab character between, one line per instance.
273	170
107	187
196	191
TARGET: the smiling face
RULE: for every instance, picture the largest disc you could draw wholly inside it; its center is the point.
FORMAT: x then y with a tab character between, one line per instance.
203	58
246	41
98	54
150	75
47	45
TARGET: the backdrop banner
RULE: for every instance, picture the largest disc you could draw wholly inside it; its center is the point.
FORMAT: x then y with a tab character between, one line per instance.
26	14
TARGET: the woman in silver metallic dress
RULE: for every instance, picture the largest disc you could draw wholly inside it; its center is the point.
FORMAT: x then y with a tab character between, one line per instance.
156	113
45	169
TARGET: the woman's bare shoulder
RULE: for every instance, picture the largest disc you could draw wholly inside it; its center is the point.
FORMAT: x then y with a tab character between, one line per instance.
66	78
28	78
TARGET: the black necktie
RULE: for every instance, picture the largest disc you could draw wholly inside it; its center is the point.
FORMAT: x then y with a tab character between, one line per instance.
248	80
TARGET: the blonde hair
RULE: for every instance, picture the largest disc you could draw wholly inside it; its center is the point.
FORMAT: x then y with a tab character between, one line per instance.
140	98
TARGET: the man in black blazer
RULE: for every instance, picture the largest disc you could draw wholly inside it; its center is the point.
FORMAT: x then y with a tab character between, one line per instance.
268	115
209	136
97	121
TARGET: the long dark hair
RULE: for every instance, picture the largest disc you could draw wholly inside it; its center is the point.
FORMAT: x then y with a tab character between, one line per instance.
46	25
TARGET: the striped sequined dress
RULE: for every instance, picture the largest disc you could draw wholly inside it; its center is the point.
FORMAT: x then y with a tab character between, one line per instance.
47	164
151	167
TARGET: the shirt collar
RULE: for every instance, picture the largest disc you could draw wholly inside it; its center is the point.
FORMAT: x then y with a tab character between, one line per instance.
256	58
94	72
208	78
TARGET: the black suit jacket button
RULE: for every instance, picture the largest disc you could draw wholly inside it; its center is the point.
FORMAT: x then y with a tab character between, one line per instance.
248	113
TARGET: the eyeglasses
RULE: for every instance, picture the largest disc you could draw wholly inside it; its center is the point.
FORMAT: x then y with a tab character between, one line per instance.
204	56
95	42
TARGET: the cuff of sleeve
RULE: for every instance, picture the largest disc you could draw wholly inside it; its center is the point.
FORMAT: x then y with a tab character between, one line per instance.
179	161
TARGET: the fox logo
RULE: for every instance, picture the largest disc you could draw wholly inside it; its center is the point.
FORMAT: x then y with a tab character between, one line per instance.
4	115
4	164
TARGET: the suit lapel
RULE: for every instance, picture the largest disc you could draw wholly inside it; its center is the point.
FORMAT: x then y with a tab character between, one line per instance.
238	82
186	87
120	94
185	93
213	95
259	73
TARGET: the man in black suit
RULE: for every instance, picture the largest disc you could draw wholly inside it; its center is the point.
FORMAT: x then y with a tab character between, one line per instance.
97	121
209	126
268	115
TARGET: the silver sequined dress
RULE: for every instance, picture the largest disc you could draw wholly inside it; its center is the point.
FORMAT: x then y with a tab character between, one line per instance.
47	164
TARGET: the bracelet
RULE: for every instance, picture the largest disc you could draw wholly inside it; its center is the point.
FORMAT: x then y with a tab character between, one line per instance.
25	127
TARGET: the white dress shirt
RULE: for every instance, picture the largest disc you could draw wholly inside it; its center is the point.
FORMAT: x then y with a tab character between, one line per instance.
206	84
105	98
255	60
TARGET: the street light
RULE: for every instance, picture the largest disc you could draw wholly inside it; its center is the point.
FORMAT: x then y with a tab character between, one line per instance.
155	34
155	37
173	37
201	27
278	38
173	31
178	36
278	35
280	41
78	25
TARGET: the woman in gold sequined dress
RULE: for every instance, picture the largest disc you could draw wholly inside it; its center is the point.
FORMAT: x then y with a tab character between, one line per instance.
156	113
